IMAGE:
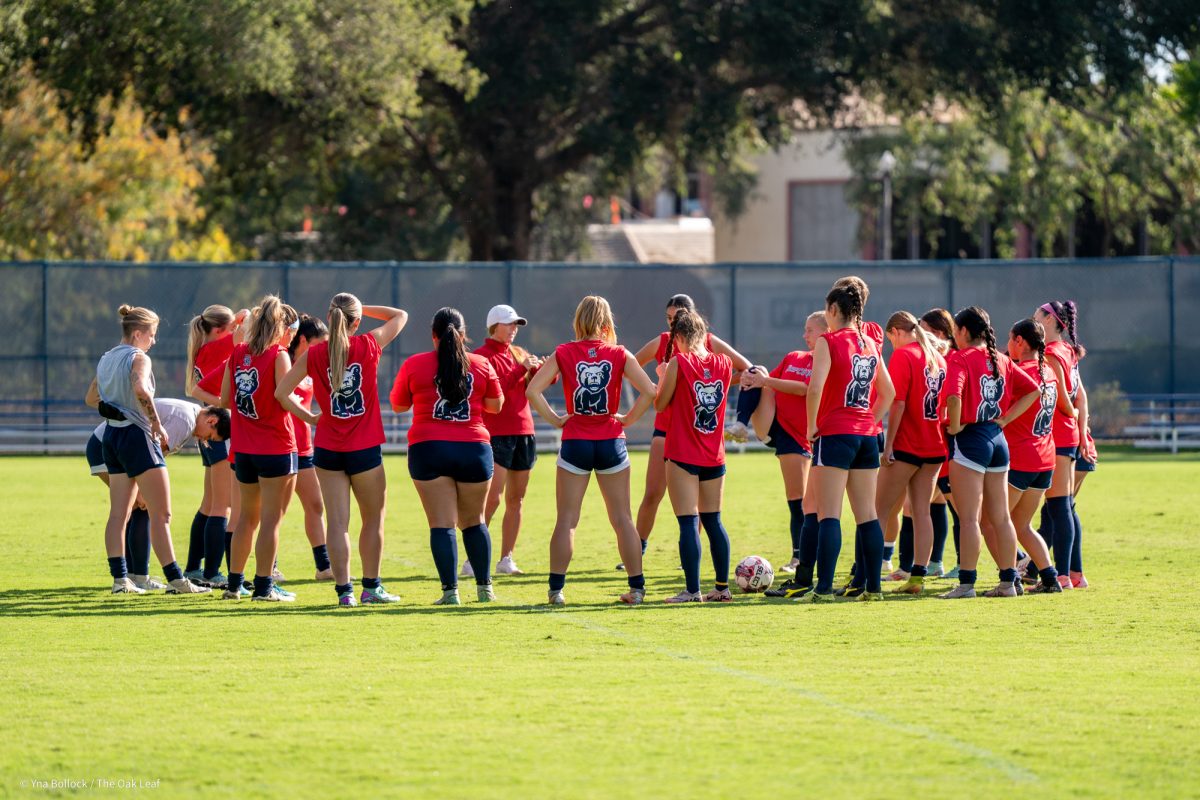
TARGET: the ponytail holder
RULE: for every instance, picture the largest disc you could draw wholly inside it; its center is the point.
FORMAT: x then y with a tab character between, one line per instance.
295	326
1049	309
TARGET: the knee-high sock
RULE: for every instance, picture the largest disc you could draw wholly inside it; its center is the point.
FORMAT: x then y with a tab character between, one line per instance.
746	403
858	574
195	543
689	550
444	546
940	528
957	532
1077	544
871	535
214	545
1063	527
808	550
796	524
829	545
137	542
228	549
478	544
718	545
907	546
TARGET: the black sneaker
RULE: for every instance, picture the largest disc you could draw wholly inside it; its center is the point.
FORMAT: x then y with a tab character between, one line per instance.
850	590
1045	588
790	590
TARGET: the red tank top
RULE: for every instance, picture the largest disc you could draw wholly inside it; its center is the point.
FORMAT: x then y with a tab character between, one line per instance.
984	398
260	425
791	411
350	418
1029	436
212	357
918	386
304	391
849	389
662	419
697	432
592	373
434	420
515	417
1066	427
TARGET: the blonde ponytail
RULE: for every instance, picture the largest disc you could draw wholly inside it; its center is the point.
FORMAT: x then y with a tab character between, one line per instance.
904	321
213	317
344	311
266	324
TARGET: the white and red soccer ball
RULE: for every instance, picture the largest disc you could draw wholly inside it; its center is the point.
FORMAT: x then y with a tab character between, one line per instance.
754	574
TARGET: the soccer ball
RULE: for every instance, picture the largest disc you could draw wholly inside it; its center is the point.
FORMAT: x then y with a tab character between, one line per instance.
754	574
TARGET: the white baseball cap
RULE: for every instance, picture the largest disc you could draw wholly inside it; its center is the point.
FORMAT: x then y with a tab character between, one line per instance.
505	315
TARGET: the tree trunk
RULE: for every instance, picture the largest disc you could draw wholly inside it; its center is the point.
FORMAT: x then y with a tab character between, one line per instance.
498	217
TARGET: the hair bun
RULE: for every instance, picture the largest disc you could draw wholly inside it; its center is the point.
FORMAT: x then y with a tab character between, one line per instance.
125	310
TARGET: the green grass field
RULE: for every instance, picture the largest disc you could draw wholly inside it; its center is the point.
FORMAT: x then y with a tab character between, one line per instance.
1089	694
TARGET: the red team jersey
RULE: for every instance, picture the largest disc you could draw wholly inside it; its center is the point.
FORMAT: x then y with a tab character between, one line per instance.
662	419
849	389
350	418
1066	428
304	391
212	357
919	386
515	417
434	420
1029	436
260	424
791	411
984	398
592	373
697	432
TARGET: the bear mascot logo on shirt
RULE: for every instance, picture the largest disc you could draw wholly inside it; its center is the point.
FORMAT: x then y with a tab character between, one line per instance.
245	383
1045	415
591	396
990	391
709	397
933	387
460	411
348	401
862	372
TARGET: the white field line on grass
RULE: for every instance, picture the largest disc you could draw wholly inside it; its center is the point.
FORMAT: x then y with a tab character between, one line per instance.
1012	771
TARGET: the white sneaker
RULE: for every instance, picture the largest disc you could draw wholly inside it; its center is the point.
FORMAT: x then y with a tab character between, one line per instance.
959	592
737	432
146	583
790	567
184	586
466	571
126	586
449	598
886	568
555	597
506	566
898	575
719	596
634	597
276	575
686	597
486	594
935	570
276	595
324	575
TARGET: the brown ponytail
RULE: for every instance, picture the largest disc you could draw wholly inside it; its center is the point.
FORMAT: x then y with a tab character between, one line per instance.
687	325
344	311
1032	332
213	317
849	295
136	318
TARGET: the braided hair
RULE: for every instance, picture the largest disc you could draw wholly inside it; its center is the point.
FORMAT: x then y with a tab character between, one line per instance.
849	295
453	363
1034	335
1066	317
688	326
978	325
940	320
683	303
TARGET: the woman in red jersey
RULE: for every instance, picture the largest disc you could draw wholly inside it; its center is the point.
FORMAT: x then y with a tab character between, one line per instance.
308	489
984	391
1031	448
695	387
514	445
939	323
449	447
347	450
846	399
593	437
1063	353
659	350
265	460
915	447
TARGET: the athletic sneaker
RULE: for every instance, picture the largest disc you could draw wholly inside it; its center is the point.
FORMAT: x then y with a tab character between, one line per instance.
620	567
506	566
790	589
234	594
1045	588
1078	581
850	590
737	432
886	567
959	592
146	583
555	597
935	570
126	586
217	581
324	575
870	596
634	597
1002	589
485	593
914	585
449	598
1020	587
686	597
284	591
274	596
194	575
1024	564
898	575
184	586
815	598
276	575
346	599
1065	582
952	573
790	567
377	595
719	596
467	570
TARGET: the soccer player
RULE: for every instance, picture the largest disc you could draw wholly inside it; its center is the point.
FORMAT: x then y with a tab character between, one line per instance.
347	445
449	449
593	437
846	399
308	489
695	386
984	391
133	451
265	442
939	323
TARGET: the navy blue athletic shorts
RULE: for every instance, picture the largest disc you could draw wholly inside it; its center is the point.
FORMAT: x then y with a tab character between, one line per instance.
846	451
465	462
783	443
916	460
604	456
981	447
250	467
1022	481
703	473
350	462
95	455
213	453
130	451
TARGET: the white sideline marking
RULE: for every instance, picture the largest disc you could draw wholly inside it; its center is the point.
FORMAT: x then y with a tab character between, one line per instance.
998	763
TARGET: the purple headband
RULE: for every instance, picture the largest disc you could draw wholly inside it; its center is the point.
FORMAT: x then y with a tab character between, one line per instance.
1049	309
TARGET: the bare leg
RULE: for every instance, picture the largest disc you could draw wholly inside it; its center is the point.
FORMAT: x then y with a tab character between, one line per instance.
514	501
370	490
569	491
656	487
335	492
615	489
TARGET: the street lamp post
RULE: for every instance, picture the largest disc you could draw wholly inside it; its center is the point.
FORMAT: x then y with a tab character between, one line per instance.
887	163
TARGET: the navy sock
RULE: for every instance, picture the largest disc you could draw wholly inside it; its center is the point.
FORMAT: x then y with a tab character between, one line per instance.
808	550
1077	543
795	524
321	557
557	581
957	533
889	550
829	545
746	403
689	550
871	534
1063	527
1009	575
172	572
636	582
214	545
228	549
941	527
920	570
478	544
444	545
342	588
968	576
1049	576
116	568
371	583
235	581
907	544
262	585
195	542
644	543
718	545
857	571
137	541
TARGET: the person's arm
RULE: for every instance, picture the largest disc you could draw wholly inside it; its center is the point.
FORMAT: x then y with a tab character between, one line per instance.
92	398
394	320
226	399
140	377
895	420
1063	403
645	387
1085	422
239	326
287	378
541	382
201	391
493	395
885	393
1019	407
646	354
816	384
954	424
666	386
740	362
